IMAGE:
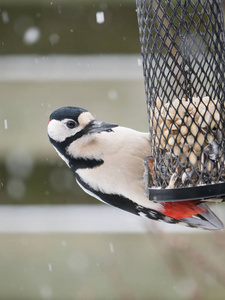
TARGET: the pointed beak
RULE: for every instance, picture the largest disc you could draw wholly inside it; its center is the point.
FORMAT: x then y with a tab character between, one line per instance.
98	126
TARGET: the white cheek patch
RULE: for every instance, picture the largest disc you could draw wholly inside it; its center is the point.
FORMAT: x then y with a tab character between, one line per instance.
58	131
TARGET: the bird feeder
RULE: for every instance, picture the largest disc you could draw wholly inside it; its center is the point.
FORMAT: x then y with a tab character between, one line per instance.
183	52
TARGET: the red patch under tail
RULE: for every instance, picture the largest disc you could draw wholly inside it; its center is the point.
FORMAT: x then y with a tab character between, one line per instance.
182	209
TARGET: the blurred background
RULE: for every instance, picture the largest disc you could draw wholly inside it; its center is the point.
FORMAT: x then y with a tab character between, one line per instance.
56	242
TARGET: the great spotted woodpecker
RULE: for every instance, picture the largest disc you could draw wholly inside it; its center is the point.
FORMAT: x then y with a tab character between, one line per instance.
107	162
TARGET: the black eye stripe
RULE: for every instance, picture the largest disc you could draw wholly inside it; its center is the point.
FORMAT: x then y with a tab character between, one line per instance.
71	124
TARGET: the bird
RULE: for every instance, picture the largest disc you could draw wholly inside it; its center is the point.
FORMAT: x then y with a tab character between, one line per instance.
107	162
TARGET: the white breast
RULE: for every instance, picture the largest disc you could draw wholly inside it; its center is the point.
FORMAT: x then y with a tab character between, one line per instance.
123	152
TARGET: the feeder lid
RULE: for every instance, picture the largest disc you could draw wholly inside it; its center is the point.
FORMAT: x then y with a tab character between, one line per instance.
188	193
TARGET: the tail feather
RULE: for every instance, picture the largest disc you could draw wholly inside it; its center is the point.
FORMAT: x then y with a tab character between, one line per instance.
194	214
205	220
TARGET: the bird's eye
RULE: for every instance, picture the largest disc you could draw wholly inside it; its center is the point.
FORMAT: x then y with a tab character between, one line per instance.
71	124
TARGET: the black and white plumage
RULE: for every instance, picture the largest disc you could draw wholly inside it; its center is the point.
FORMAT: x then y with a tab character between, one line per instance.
107	162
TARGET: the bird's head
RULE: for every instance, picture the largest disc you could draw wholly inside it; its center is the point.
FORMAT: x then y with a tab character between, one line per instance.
69	124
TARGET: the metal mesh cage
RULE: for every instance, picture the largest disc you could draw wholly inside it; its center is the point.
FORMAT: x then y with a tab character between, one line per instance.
183	51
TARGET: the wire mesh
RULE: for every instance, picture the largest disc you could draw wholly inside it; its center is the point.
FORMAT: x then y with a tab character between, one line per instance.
183	51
